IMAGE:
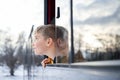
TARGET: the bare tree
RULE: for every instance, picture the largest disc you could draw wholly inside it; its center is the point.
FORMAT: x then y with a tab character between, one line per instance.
9	59
13	52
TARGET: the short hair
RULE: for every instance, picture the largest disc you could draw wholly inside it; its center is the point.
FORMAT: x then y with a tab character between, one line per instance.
52	31
48	31
56	33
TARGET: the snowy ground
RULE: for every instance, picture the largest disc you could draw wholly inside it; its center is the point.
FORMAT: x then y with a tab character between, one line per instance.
4	74
37	73
20	73
56	73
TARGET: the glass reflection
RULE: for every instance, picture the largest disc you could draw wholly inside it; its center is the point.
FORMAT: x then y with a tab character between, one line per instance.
96	30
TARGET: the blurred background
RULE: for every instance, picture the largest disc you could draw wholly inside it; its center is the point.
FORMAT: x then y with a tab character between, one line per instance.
96	34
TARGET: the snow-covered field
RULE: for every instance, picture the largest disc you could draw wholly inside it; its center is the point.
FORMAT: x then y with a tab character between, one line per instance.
57	73
37	73
20	73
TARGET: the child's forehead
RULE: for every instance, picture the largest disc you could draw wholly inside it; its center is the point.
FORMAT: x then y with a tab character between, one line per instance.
37	34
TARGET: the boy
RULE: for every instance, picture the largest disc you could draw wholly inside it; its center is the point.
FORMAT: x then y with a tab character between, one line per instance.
50	40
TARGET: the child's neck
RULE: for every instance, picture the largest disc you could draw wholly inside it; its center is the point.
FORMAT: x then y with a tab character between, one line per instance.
51	53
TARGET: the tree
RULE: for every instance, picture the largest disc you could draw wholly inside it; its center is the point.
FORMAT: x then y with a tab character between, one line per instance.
9	59
13	56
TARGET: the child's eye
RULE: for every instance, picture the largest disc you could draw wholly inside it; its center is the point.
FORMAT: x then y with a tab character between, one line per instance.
35	39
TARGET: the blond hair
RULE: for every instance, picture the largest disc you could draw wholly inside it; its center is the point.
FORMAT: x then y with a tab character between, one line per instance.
58	34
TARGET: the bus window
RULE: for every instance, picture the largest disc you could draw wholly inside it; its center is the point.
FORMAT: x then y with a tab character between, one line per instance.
95	29
63	19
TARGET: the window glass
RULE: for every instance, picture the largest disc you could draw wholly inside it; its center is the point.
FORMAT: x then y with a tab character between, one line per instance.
16	20
63	20
96	30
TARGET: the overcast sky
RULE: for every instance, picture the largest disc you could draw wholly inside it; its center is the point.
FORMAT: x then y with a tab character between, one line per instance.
91	16
103	15
20	15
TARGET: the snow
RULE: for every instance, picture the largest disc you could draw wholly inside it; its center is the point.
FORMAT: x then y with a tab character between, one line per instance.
59	73
37	73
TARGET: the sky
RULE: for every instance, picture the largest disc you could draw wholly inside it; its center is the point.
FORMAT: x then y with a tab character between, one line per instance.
20	15
91	17
100	14
103	15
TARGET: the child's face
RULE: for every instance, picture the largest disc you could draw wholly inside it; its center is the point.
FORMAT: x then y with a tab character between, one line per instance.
39	44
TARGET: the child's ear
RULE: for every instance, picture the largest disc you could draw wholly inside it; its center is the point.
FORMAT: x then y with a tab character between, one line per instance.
49	41
59	42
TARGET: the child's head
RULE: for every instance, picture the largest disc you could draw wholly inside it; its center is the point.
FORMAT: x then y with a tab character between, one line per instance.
49	38
61	40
